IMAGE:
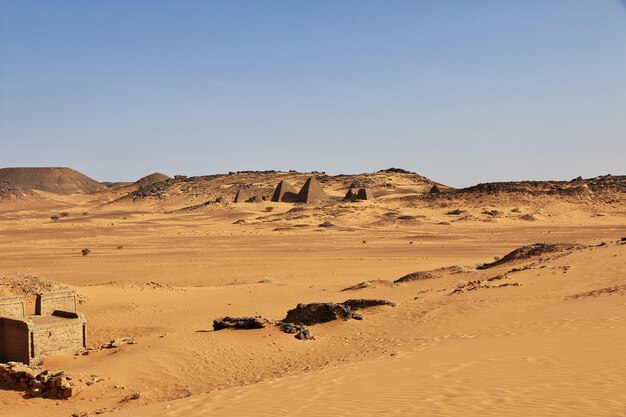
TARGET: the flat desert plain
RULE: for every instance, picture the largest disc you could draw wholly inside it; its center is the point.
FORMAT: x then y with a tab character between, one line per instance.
473	332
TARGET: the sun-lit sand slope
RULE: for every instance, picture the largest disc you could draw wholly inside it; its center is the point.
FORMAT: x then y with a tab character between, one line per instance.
542	332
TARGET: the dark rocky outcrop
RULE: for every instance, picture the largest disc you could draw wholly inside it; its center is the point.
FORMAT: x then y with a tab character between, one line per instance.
302	316
531	251
416	276
358	303
315	313
326	224
239	323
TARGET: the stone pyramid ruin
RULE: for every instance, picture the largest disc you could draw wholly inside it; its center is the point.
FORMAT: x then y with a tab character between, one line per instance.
351	194
311	192
359	194
364	194
285	193
242	196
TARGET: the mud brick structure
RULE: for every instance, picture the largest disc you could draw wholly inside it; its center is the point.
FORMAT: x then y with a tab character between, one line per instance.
47	302
55	328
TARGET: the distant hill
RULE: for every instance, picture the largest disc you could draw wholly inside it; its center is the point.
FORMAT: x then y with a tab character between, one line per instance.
54	180
151	179
182	191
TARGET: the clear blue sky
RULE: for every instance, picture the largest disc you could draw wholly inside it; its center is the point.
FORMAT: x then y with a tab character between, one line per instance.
459	91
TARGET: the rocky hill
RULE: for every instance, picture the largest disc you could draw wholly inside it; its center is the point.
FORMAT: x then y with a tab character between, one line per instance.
182	191
54	180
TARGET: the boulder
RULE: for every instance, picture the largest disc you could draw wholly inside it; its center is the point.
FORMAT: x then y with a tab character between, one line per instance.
315	313
245	323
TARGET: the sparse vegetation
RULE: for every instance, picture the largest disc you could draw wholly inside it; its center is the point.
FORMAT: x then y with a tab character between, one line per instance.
64	214
55	217
85	252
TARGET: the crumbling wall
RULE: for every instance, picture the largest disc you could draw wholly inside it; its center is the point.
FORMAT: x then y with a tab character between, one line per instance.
47	302
12	307
66	337
14	340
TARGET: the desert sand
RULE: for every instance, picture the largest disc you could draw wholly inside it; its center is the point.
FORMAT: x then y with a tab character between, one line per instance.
542	334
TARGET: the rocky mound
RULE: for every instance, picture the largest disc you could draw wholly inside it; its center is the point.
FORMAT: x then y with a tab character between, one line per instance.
245	323
8	190
54	180
15	283
315	313
196	192
577	186
533	251
303	315
152	179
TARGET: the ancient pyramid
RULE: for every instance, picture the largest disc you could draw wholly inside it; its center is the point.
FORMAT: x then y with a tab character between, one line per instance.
285	193
434	189
364	194
311	192
351	194
241	197
360	194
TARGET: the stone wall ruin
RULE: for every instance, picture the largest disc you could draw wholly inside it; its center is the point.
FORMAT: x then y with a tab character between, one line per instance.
56	328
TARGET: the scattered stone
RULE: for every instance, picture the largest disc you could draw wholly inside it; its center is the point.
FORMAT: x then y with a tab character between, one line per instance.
456	212
304	335
132	397
617	289
37	382
118	342
299	331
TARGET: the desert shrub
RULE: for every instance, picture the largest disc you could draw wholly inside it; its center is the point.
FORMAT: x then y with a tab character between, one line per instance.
85	251
269	209
55	217
64	214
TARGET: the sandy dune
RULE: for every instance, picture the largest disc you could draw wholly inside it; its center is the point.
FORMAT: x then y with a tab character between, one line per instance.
543	335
